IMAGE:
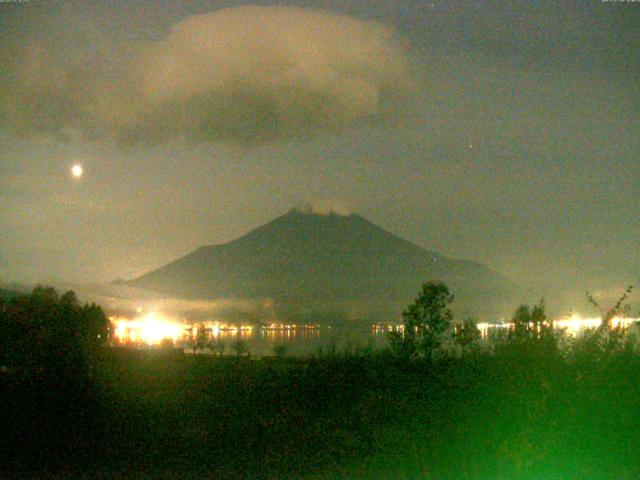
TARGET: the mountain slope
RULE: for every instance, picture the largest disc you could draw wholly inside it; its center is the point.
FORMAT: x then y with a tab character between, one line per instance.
328	265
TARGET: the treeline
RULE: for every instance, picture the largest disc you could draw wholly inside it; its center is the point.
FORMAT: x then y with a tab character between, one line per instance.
49	350
429	331
433	406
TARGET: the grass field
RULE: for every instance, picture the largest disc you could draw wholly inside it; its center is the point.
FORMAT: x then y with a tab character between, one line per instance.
359	415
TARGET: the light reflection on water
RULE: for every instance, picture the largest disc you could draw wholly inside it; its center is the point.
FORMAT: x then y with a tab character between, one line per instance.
311	341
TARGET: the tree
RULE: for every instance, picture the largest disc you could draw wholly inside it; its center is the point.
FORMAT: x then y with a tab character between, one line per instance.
620	308
46	332
49	344
219	345
201	338
466	336
609	337
530	322
425	322
532	331
521	321
197	338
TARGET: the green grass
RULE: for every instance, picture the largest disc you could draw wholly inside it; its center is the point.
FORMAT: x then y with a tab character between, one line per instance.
367	416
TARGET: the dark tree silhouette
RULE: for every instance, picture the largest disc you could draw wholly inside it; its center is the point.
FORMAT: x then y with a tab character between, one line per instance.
425	321
45	332
466	335
609	338
532	333
218	345
50	346
620	308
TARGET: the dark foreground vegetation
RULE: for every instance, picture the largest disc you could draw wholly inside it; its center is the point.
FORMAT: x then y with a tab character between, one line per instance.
529	406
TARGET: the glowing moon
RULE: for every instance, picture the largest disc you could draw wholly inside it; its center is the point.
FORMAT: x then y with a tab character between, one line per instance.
77	170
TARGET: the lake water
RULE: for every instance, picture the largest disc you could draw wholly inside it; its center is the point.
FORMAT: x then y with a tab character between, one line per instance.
305	341
295	342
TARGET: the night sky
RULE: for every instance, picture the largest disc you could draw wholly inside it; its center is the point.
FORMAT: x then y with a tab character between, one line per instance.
503	132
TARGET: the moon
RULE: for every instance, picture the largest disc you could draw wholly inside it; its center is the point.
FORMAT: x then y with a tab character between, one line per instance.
77	170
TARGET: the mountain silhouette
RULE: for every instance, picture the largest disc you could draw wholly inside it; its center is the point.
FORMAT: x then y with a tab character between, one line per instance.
311	267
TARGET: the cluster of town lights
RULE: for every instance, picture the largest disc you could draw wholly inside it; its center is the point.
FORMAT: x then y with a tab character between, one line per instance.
154	329
291	326
149	329
571	325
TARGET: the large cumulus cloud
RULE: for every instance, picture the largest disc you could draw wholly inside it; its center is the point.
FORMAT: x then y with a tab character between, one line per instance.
246	75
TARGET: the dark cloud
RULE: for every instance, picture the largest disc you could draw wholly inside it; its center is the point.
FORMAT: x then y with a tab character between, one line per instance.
245	75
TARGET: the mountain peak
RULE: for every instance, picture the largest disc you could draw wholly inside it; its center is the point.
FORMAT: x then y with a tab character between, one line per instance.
324	261
322	209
